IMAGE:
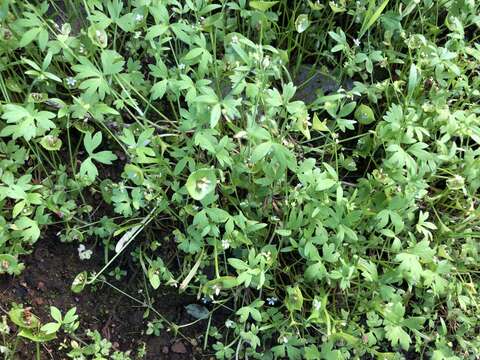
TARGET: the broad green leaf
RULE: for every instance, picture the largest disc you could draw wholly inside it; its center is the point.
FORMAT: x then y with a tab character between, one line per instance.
397	336
159	89
92	142
294	300
156	31
9	264
316	271
83	127
112	62
36	336
194	53
104	157
364	114
324	184
28	121
23	318
88	169
134	173
201	183
260	151
70	316
302	23
51	328
215	115
29	36
154	277
29	229
319	125
262	5
56	314
79	282
98	36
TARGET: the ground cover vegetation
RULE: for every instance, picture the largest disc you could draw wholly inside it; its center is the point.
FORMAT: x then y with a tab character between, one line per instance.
307	171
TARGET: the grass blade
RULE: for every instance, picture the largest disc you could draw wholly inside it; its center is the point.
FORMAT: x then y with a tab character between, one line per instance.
368	24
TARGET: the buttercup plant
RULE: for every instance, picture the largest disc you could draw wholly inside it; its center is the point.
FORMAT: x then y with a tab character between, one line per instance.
316	165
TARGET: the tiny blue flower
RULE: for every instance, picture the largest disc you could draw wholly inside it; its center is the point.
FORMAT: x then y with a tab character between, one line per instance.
206	300
70	81
272	300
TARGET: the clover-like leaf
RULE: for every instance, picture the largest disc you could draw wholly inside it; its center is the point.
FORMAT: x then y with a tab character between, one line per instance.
201	183
98	36
36	336
364	114
51	143
79	282
51	328
9	264
23	318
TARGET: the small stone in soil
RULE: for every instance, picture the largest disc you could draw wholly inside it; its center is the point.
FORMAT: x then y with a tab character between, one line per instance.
38	301
179	348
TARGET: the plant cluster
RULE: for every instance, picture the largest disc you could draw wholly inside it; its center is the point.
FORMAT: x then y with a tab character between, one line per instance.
315	164
26	325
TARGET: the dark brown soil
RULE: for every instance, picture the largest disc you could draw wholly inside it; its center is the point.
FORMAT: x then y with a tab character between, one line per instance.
46	281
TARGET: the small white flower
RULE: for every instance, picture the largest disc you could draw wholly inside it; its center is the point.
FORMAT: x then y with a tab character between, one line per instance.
284	339
240	135
83	253
216	289
356	42
203	184
181	66
225	244
234	39
4	328
229	324
70	81
267	255
317	304
266	62
272	300
138	17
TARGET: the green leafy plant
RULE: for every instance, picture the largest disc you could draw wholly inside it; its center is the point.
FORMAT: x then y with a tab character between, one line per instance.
312	167
88	168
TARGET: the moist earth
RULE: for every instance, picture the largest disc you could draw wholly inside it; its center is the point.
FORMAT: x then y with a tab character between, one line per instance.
46	280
